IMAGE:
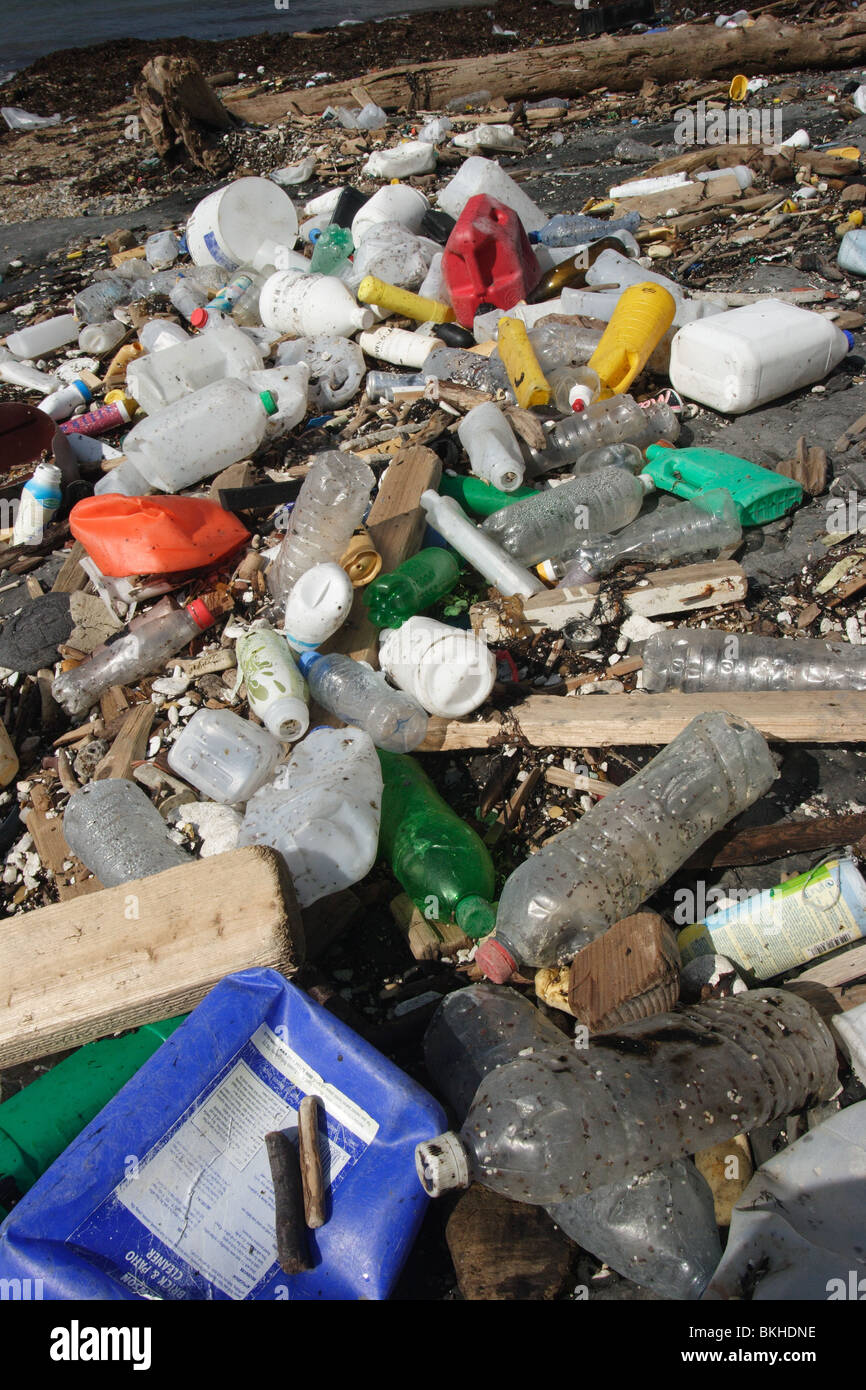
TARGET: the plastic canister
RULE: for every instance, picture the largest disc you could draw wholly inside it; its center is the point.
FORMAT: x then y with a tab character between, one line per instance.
318	604
488	259
479	175
225	757
396	202
449	671
228	226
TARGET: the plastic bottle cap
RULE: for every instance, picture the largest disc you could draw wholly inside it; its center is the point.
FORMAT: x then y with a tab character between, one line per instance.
475	916
442	1164
579	396
306	659
545	571
646	482
84	390
496	963
850	337
199	610
199	317
268	402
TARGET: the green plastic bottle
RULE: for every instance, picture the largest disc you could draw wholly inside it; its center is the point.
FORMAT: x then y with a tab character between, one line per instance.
474	495
332	250
425	577
38	1123
437	858
759	494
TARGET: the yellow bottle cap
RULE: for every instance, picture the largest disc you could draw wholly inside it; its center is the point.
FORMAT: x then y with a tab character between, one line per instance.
362	561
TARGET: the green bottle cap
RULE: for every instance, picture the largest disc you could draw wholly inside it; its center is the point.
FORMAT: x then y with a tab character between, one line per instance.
268	402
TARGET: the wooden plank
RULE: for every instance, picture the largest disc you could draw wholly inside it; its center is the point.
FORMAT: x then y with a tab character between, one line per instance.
602	721
145	950
71	576
761	844
54	852
841	970
130	745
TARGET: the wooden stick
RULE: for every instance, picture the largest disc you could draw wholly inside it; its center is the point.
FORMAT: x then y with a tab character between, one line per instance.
311	1163
761	844
293	1252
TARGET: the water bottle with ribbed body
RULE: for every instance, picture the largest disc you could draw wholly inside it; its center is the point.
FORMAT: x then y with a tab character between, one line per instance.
331	503
684	530
709	659
116	830
617	420
617	855
565	1121
668	1212
550	523
572	229
358	695
558	344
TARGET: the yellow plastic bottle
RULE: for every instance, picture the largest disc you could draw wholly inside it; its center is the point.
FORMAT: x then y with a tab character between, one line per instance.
642	317
528	382
374	291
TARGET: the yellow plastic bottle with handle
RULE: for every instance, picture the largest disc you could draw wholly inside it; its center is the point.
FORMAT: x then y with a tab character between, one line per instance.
642	317
398	301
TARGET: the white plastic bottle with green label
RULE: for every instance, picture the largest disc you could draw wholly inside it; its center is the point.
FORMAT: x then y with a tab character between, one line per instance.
276	690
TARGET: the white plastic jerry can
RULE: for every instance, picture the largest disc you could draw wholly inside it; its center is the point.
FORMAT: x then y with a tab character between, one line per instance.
225	757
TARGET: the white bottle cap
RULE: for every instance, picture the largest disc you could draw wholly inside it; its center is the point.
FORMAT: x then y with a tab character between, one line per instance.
287	719
317	606
646	482
442	1164
579	397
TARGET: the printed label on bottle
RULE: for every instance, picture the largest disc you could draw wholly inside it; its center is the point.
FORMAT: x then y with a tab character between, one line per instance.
196	1214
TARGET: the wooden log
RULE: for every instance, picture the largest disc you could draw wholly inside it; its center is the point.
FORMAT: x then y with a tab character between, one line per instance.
182	114
293	1252
609	721
145	950
622	62
312	1177
761	844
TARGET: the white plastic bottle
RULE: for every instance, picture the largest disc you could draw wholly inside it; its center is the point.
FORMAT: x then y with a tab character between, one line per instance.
317	606
743	358
321	811
101	337
448	670
158	334
44	337
330	505
494	453
39	504
225	757
397	346
411	157
161	377
448	518
276	690
308	305
19	374
63	403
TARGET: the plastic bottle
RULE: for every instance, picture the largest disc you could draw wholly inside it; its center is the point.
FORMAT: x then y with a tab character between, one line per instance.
101	337
162	377
570	229
161	250
528	382
640	320
686	529
117	832
613	268
628	845
479	497
392	253
710	659
276	690
435	856
557	345
626	456
410	157
617	420
16	373
852	252
101	420
448	670
746	357
396	202
479	175
489	137
140	652
158	334
488	259
563	1121
360	696
416	584
332	250
40	502
548	524
574	388
97	303
331	503
570	271
41	338
186	296
307	305
40	1121
658	1229
321	812
228	227
224	757
63	403
465	368
447	517
393	300
318	605
380	386
494	453
397	346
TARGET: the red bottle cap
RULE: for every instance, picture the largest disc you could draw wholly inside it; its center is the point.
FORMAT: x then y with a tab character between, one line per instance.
199	610
497	963
199	317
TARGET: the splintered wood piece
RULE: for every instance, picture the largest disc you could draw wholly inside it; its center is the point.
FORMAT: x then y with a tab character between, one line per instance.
629	973
71	576
130	745
312	1177
808	467
427	940
142	951
761	844
54	852
293	1251
505	1250
113	702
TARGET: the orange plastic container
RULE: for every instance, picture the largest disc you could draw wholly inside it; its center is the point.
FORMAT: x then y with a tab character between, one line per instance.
154	535
642	317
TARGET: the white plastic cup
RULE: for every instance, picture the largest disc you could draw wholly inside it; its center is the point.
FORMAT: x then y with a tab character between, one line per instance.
229	225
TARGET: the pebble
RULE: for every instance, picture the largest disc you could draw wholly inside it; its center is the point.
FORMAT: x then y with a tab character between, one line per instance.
852	631
29	640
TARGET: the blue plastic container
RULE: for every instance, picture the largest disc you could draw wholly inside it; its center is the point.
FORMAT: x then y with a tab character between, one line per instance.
167	1193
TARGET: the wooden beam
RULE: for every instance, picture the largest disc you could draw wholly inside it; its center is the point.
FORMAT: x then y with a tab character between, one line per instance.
130	745
763	843
603	721
145	950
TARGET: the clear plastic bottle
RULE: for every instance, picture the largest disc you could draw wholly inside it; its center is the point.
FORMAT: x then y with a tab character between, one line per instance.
626	456
466	369
140	652
162	250
658	1229
482	551
358	695
693	660
574	388
321	811
572	229
223	756
685	529
614	421
97	303
380	386
186	296
548	524
617	855
563	1121
331	503
493	451
115	829
557	344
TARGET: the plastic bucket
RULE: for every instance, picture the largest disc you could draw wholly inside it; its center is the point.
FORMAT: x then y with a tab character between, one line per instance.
229	225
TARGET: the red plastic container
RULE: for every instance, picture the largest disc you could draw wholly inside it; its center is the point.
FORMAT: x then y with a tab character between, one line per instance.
488	259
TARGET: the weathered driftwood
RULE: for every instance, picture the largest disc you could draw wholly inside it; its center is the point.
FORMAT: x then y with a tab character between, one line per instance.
183	115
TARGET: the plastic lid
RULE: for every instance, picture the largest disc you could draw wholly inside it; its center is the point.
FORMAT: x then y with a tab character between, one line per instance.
850	337
546	571
199	610
287	719
84	389
306	659
496	963
579	397
199	317
442	1164
646	482
475	916
453	684
268	402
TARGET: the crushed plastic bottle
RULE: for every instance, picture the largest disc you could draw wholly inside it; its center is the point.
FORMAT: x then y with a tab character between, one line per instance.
631	842
617	420
117	832
330	505
547	525
710	659
360	696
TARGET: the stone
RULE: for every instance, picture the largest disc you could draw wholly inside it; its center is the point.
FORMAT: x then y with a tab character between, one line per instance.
504	1250
30	639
